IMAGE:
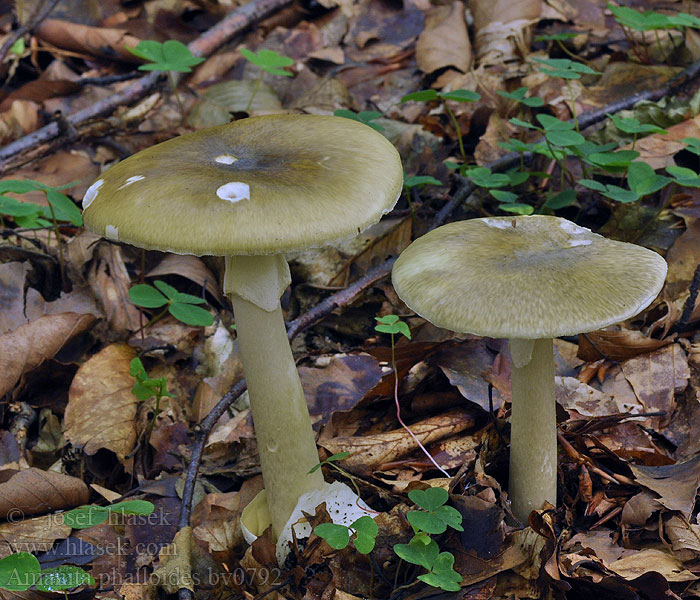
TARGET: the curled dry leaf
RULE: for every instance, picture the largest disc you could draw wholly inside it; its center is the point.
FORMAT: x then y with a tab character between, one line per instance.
372	451
192	268
676	484
648	560
12	277
444	42
110	282
616	344
502	29
101	409
32	535
101	42
33	491
31	344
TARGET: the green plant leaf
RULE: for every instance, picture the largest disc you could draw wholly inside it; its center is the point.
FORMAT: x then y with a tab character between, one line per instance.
269	61
85	516
132	507
692	145
190	314
564	68
561	200
146	296
639	21
420	96
643	180
63	578
443	575
430	498
168	290
392	325
365	534
519	96
18	572
171	55
336	536
622	158
503	196
365	116
65	209
565	138
420	180
418	553
632	125
517	208
426	521
460	96
683	176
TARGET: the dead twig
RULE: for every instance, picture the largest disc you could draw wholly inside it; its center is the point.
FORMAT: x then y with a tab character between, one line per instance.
235	22
43	12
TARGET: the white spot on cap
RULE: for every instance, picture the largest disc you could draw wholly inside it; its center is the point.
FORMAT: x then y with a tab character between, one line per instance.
572	228
573	243
225	159
234	191
91	193
112	233
499	223
131	180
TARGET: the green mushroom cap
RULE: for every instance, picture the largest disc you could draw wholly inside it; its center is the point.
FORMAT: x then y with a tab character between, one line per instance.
527	277
261	185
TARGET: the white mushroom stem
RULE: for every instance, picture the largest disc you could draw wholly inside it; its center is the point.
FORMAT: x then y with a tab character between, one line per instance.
286	441
533	430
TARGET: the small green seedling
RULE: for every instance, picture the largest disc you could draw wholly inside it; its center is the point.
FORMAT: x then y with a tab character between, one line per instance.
393	325
167	56
270	62
683	176
338	536
18	47
443	97
170	56
417	181
520	96
564	68
179	305
366	117
91	515
434	518
640	177
145	387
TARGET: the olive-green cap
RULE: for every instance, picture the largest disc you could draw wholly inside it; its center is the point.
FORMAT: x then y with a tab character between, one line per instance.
527	277
261	185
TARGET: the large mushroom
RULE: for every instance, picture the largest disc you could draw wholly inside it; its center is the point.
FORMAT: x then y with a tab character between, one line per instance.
527	279
249	191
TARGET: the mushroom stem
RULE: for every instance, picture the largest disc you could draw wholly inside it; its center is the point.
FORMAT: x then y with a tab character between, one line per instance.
286	441
533	432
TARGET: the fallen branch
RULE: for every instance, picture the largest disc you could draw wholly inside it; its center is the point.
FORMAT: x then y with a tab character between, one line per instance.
235	22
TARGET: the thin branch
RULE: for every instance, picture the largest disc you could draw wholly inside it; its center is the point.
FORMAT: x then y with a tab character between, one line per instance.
37	18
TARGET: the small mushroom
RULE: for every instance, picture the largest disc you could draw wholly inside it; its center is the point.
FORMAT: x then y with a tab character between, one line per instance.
528	279
249	191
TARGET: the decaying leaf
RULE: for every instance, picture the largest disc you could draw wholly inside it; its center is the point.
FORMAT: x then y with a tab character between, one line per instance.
372	451
33	491
676	484
101	409
31	344
32	535
444	41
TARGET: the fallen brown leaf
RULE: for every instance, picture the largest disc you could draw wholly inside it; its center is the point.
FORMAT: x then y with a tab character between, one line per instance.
101	409
373	451
32	535
33	491
444	42
31	344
